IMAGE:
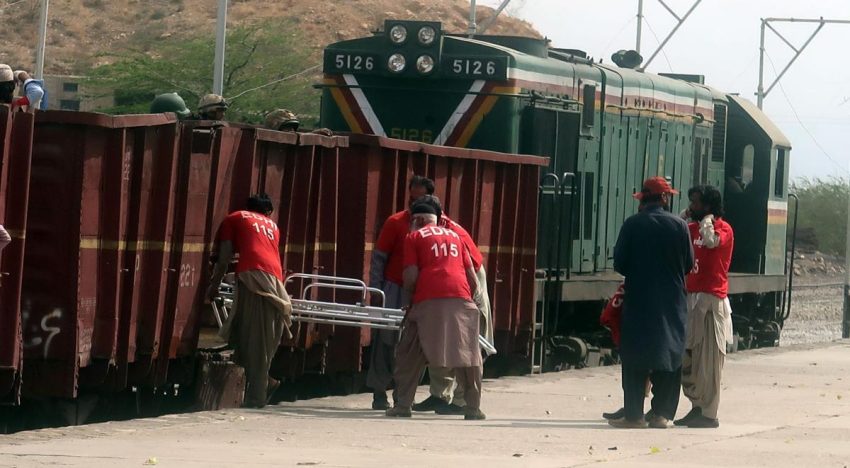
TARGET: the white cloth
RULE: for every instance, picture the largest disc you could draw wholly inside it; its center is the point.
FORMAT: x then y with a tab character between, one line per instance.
701	304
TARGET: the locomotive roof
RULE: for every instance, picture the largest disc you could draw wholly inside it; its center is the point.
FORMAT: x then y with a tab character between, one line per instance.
628	84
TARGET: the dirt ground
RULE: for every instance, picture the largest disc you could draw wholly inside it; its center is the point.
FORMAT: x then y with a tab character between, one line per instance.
817	300
781	407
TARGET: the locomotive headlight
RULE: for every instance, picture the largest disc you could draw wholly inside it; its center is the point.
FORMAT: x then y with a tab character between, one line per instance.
425	64
427	34
398	34
396	63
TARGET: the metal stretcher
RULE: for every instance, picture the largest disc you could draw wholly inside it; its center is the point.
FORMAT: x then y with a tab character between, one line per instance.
359	314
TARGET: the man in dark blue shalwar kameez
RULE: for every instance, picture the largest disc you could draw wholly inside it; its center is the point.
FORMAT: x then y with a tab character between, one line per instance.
654	253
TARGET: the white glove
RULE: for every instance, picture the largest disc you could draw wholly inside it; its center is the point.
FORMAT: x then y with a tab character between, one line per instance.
710	239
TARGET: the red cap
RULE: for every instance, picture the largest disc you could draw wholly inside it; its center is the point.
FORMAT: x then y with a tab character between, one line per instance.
655	186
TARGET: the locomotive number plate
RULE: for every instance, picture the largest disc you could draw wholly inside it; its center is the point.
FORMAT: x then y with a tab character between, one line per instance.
341	62
491	68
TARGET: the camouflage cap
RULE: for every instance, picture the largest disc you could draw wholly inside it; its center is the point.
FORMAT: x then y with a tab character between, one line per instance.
212	101
6	73
282	119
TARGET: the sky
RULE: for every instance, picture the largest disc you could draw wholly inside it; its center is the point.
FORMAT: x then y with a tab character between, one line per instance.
811	103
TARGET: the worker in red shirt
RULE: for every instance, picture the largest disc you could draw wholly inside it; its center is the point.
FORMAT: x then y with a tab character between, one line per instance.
385	273
446	394
262	313
441	327
709	325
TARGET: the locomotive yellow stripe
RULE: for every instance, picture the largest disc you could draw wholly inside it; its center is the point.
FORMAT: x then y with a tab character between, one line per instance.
478	117
342	105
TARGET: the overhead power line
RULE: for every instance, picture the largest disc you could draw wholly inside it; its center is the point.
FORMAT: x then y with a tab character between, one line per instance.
800	121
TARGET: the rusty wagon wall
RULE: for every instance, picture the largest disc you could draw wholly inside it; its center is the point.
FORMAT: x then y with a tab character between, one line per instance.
123	214
16	134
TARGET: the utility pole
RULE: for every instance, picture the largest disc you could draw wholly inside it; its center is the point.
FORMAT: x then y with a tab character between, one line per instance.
489	21
680	20
639	25
845	322
473	28
761	93
220	35
42	40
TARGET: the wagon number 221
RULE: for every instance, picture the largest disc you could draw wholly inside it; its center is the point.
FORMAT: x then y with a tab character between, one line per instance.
473	67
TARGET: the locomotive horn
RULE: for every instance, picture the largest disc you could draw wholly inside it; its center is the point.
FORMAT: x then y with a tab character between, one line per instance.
627	59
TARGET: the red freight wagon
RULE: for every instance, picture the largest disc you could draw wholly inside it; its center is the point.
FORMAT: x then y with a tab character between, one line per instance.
16	133
123	212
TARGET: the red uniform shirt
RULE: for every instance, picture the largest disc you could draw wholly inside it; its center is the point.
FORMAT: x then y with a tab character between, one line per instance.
711	266
256	239
391	241
612	316
474	253
440	255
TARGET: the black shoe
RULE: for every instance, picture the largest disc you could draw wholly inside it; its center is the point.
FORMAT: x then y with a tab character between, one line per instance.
429	404
620	413
703	422
380	402
695	412
449	409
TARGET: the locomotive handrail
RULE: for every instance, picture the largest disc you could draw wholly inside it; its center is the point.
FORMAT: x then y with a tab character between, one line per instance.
557	191
790	272
571	176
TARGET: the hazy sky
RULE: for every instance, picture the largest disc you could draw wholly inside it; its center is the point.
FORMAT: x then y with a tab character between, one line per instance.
720	40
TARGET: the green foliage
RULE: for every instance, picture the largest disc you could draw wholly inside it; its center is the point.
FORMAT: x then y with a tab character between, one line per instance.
822	224
256	55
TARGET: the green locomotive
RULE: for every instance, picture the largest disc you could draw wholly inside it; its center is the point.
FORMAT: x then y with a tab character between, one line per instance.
605	129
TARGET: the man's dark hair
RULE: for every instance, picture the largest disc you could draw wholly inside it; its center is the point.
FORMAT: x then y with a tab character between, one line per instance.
649	197
431	202
424	182
710	198
7	92
260	203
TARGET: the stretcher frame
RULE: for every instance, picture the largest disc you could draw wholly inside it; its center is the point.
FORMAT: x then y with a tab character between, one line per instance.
359	314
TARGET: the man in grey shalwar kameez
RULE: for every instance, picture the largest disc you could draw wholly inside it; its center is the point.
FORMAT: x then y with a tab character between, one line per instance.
653	252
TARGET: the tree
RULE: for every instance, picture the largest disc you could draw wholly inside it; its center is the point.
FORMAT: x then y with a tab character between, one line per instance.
822	223
257	56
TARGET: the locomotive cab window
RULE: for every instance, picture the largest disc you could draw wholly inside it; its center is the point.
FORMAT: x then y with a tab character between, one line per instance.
588	113
747	161
779	176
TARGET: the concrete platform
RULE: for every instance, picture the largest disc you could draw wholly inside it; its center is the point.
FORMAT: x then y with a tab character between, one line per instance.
786	407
